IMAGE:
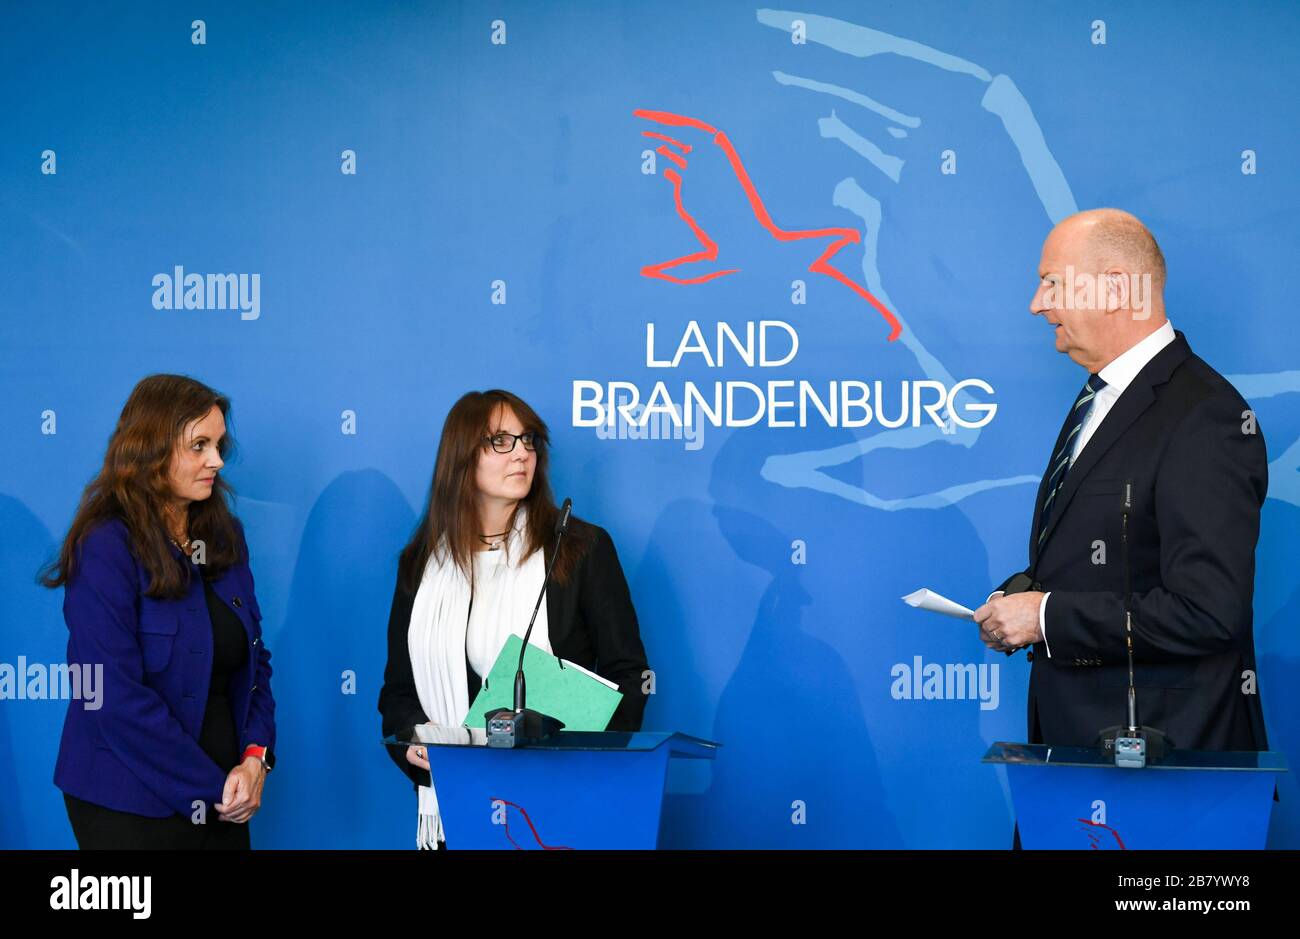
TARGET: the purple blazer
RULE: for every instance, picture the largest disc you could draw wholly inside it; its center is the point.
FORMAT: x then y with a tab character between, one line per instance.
139	751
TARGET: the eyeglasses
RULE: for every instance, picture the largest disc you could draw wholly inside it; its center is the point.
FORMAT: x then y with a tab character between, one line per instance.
505	443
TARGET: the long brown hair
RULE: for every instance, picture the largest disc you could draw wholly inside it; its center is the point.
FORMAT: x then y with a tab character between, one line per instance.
133	486
450	522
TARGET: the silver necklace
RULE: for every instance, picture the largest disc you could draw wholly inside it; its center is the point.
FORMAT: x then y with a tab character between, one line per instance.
494	545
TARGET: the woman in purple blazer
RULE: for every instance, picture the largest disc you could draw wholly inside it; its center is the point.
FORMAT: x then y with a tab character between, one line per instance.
158	592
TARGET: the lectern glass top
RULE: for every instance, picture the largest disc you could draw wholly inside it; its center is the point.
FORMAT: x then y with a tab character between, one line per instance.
576	740
1037	754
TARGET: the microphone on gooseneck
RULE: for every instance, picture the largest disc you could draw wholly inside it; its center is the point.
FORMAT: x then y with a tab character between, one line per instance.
566	511
508	727
561	526
1133	724
1133	744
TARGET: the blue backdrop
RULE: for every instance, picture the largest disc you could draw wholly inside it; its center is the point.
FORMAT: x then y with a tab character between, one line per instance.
502	160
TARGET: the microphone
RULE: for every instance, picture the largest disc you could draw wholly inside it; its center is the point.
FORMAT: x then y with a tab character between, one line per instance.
508	727
1133	744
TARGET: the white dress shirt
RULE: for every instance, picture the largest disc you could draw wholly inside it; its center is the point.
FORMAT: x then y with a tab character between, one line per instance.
1118	375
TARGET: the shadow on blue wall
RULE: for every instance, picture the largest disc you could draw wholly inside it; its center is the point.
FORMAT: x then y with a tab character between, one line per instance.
33	814
333	786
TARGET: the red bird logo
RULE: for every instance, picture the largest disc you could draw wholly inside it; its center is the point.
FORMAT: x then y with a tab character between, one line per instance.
838	238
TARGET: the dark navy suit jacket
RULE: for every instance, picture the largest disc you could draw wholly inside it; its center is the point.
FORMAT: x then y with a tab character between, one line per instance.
1185	439
139	751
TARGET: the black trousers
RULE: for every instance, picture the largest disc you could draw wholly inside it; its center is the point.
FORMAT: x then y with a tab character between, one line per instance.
98	828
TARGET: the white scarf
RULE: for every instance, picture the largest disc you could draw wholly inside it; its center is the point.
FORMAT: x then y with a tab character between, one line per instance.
436	641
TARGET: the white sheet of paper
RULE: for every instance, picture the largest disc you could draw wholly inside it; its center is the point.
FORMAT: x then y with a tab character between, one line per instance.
438	733
924	599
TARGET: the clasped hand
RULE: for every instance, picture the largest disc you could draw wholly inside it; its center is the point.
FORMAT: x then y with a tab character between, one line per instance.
1008	623
242	795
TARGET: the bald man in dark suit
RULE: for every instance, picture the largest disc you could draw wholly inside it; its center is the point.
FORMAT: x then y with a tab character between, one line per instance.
1155	418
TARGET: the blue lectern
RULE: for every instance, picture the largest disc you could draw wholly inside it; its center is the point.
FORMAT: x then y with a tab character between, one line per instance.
577	789
1075	797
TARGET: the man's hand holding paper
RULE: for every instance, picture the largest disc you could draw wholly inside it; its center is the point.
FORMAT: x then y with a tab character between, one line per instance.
1010	622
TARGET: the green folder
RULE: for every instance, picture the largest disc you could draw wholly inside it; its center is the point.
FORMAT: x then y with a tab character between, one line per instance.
557	688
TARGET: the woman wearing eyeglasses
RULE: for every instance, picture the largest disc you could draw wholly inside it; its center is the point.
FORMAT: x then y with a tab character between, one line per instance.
471	574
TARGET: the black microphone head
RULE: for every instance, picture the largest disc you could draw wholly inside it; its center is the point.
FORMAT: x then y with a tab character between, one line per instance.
566	510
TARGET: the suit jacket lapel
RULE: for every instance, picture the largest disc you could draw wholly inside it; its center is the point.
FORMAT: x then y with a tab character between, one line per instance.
1137	397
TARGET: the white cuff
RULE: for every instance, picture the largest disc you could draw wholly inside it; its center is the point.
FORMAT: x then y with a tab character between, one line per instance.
1042	622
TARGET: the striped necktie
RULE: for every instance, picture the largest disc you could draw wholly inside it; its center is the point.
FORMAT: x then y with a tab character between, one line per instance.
1062	461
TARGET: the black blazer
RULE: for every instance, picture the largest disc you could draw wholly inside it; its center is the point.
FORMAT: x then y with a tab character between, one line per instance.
1181	433
591	623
